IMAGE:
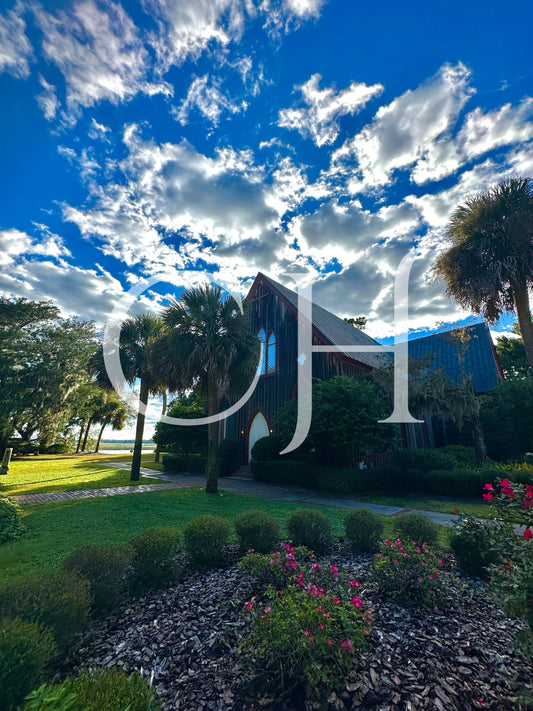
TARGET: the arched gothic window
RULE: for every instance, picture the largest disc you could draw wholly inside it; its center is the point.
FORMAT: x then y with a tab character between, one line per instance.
268	352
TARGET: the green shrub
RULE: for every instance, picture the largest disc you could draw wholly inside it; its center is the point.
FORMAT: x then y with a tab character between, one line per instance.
416	527
10	520
413	575
257	530
440	482
106	568
27	651
112	690
311	529
467	483
425	459
363	529
153	553
411	479
461	454
184	465
267	448
289	473
58	448
472	542
58	599
278	568
228	456
205	540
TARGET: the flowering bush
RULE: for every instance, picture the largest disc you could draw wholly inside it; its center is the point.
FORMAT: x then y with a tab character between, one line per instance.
309	631
413	574
277	569
511	578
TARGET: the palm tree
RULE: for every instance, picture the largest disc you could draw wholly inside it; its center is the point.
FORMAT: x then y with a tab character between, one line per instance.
137	337
489	266
209	348
113	412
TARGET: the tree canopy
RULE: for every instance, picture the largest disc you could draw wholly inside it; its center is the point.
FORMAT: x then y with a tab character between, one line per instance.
488	267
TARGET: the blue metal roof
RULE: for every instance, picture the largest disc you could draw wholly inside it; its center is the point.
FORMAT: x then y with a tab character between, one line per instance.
479	358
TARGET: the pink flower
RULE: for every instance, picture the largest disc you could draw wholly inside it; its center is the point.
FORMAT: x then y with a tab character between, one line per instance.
354	583
357	602
346	645
528	533
334	570
457	511
250	605
331	642
326	614
488	497
336	600
436	608
488	487
321	626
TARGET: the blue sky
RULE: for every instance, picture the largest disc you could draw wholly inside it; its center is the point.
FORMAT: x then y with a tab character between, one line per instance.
234	136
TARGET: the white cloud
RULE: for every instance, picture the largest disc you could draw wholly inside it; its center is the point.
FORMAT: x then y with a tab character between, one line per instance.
483	132
99	52
204	95
14	243
15	48
319	120
304	8
404	133
48	101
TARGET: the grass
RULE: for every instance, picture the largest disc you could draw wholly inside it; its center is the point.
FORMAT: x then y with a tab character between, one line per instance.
427	503
57	528
31	475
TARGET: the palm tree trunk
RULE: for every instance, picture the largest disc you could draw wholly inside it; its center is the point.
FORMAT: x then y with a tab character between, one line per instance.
139	430
89	423
100	437
523	313
211	470
163	412
82	430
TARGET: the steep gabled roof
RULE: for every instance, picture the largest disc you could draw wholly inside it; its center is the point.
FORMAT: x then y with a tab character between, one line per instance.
331	328
480	360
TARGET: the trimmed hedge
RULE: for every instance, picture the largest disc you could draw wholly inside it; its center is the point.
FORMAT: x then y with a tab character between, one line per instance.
257	530
205	540
184	465
363	529
416	528
153	563
310	528
10	520
267	448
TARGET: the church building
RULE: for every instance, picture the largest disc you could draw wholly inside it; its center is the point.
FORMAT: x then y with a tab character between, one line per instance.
274	310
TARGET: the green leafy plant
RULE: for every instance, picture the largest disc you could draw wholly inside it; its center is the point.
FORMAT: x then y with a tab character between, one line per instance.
106	568
311	529
27	652
309	633
473	542
413	574
153	553
58	599
112	690
363	529
267	448
10	520
416	527
50	697
257	530
205	539
277	568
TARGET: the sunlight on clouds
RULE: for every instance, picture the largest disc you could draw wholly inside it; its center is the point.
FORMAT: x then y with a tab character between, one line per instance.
482	132
99	53
319	120
402	133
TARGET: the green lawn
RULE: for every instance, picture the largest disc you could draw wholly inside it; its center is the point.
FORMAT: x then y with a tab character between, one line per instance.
423	502
30	475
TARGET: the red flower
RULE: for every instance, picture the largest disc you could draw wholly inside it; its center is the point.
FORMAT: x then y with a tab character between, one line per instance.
488	497
488	487
528	533
457	511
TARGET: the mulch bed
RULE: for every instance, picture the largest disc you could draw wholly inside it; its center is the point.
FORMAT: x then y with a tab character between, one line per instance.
185	641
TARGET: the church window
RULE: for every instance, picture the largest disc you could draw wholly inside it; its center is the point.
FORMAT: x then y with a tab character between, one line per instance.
268	352
263	365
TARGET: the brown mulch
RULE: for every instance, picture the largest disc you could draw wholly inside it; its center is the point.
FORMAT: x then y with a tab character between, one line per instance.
185	640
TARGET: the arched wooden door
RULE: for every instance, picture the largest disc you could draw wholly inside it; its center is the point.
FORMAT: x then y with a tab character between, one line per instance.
258	428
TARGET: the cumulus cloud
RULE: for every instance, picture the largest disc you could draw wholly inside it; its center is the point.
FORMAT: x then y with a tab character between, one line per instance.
15	48
99	52
405	133
319	119
205	96
485	131
14	243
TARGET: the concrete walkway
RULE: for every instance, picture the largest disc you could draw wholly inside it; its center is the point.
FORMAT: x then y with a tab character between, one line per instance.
235	485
